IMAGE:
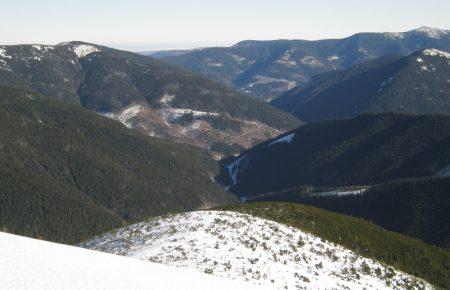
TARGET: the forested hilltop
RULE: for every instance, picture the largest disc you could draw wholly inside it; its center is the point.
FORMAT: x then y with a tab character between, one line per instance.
68	174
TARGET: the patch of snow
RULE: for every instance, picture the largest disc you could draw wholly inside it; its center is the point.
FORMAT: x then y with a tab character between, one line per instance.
333	58
216	64
3	53
286	59
427	68
285	139
34	264
436	52
166	99
247	248
419	60
362	50
238	58
37	47
341	192
233	169
83	50
211	63
125	116
311	61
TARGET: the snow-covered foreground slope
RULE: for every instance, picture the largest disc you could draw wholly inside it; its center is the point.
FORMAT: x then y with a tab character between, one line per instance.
244	247
33	264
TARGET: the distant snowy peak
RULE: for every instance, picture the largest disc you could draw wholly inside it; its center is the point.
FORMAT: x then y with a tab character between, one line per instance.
247	248
432	32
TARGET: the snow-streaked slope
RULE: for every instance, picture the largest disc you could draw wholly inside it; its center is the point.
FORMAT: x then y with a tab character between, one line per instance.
33	264
285	139
244	247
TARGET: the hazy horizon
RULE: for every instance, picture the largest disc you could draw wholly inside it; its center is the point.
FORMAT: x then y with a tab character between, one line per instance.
140	25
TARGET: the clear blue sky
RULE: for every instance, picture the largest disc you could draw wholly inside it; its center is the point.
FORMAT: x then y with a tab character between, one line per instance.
150	24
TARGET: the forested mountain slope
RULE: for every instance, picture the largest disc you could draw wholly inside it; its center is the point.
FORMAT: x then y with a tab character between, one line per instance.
413	207
365	150
416	84
67	173
143	93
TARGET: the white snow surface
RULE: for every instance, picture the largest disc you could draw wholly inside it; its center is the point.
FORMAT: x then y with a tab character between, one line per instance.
333	58
238	58
126	115
436	52
286	59
166	99
432	32
311	61
34	264
233	169
342	192
247	248
3	53
285	139
83	50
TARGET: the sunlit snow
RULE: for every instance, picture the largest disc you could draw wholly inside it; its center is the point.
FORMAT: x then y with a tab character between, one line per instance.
34	264
285	139
83	50
247	248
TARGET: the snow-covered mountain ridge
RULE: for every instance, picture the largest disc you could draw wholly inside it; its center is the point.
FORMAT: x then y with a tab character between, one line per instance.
243	247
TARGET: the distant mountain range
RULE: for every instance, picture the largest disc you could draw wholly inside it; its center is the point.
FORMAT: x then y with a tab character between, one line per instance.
166	53
67	174
418	84
269	68
143	93
365	150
